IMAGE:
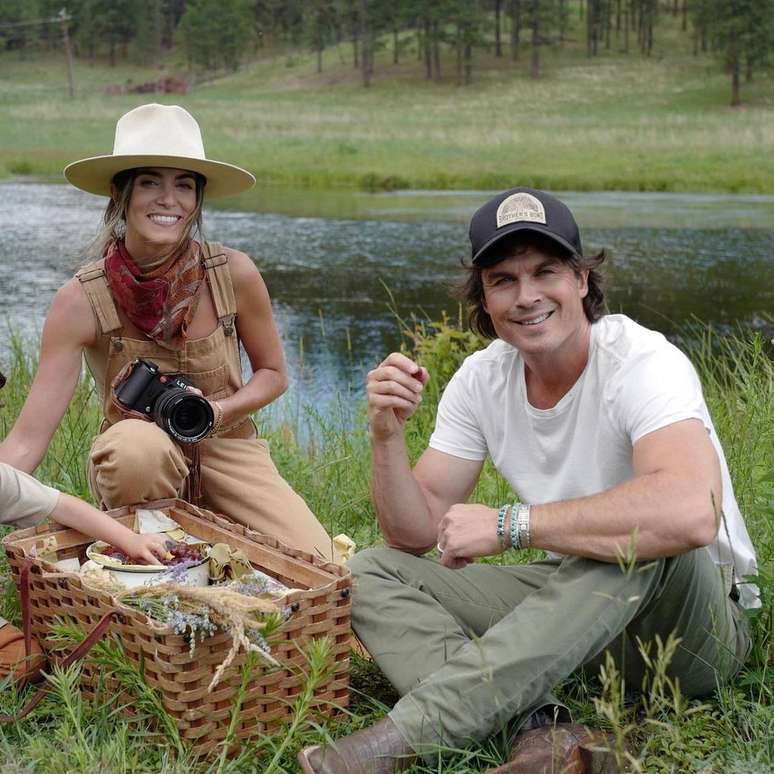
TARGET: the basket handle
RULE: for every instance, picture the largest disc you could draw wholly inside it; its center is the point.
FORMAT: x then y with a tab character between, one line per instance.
24	594
93	637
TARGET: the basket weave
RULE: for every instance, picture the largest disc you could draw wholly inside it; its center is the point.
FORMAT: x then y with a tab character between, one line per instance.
320	607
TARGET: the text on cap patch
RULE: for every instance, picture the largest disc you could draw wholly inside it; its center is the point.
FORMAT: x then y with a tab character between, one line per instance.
520	207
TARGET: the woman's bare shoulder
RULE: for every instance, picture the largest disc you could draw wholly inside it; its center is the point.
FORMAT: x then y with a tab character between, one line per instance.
71	308
72	294
238	260
241	266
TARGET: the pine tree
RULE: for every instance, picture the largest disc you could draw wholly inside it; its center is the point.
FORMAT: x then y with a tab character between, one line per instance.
320	21
742	34
543	20
217	33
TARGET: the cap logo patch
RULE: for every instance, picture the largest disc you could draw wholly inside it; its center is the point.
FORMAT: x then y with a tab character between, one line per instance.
520	207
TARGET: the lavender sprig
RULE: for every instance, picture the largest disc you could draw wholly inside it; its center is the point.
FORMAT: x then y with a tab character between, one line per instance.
177	573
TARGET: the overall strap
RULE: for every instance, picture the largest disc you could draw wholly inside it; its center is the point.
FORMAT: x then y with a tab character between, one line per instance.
219	279
94	284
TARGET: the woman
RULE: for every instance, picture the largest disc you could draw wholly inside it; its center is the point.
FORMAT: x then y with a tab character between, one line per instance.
157	294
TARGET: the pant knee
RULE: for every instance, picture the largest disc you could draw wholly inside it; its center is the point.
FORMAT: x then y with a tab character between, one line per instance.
380	561
362	561
135	461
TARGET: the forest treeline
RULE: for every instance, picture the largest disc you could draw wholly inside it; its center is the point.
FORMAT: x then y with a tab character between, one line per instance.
224	34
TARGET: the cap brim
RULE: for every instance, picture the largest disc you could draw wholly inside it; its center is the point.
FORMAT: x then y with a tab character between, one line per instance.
95	174
480	258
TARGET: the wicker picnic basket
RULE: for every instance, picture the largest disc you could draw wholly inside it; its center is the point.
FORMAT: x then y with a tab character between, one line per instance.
319	606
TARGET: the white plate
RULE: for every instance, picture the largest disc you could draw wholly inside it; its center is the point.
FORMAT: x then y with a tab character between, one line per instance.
131	575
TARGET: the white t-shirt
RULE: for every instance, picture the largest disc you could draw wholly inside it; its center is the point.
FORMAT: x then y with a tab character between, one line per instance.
635	382
24	501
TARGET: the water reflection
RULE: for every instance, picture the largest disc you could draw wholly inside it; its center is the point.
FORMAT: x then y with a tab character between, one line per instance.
600	209
338	285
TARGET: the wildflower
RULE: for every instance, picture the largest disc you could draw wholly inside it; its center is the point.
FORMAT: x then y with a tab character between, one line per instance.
257	640
178	573
198	612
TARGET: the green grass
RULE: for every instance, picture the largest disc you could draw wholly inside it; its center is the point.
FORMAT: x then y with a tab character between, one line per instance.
731	731
615	122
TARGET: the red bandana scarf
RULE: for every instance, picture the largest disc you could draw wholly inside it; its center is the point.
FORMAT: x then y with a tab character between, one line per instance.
162	302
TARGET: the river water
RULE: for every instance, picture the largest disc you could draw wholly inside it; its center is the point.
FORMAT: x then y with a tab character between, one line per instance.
342	267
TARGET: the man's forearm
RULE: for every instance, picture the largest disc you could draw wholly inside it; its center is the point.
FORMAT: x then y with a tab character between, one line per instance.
657	515
401	507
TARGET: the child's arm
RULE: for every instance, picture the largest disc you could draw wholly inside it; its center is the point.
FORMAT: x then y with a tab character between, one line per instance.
24	501
78	514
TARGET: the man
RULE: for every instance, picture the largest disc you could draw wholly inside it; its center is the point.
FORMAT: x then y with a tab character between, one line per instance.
601	427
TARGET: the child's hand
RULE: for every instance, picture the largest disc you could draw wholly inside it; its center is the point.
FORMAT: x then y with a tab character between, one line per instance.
150	548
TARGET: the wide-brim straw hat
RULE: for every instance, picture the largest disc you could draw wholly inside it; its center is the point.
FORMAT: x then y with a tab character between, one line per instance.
158	136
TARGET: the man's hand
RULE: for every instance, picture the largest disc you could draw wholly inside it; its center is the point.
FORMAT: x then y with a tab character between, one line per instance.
394	391
465	532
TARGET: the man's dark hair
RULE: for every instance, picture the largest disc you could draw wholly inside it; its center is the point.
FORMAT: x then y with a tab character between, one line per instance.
471	289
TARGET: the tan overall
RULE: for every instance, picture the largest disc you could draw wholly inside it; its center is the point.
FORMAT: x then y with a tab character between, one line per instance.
134	461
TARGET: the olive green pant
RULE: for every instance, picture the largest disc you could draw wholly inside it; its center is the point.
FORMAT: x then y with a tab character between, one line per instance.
475	651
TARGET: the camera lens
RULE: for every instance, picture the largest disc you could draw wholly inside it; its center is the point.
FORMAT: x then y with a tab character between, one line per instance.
183	415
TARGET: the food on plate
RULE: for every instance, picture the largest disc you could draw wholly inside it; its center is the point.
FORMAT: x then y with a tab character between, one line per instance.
176	554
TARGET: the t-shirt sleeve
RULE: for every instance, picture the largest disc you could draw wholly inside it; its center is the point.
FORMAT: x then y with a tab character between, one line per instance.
658	389
24	501
457	431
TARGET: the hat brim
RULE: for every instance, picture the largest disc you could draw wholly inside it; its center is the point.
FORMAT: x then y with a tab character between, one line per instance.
480	258
95	174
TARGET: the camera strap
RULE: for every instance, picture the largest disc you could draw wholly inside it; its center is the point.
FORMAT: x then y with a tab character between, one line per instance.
192	487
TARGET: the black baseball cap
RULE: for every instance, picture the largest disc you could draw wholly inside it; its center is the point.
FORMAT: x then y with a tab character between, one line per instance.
521	209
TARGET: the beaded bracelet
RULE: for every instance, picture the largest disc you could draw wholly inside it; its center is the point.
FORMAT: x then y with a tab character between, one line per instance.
514	530
217	424
501	526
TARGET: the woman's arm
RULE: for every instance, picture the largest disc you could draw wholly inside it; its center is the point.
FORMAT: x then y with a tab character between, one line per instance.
69	327
258	333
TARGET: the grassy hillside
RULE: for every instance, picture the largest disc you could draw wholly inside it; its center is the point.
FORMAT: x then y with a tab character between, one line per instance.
618	121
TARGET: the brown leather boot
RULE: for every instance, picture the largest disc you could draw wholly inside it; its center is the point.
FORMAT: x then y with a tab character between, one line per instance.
564	748
379	749
12	657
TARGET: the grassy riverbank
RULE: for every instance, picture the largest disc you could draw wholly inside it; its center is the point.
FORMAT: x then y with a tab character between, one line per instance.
728	732
615	122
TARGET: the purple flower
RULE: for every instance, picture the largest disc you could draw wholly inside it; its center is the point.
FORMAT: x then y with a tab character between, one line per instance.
177	573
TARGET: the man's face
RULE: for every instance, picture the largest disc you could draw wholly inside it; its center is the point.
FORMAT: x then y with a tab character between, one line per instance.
536	302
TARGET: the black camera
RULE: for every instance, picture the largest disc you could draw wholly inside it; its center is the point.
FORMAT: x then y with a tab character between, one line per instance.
163	397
